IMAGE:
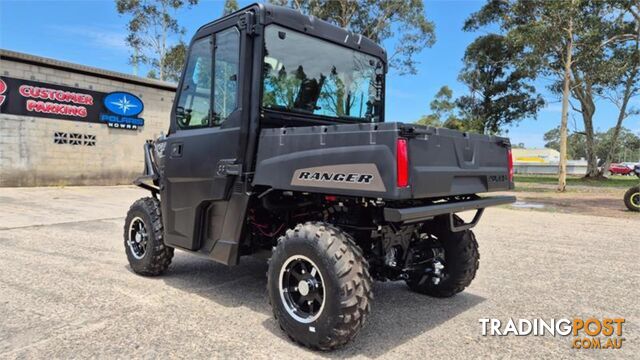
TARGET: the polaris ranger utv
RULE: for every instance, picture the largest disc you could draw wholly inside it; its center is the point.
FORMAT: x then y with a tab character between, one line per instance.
277	142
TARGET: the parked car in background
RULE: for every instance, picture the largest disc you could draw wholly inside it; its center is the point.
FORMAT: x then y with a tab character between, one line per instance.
620	169
630	164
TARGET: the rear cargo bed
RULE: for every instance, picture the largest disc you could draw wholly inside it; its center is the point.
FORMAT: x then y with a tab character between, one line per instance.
360	160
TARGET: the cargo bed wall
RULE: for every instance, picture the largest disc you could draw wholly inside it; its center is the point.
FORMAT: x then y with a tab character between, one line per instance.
352	160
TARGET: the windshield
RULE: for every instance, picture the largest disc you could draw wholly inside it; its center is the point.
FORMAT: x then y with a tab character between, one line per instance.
307	75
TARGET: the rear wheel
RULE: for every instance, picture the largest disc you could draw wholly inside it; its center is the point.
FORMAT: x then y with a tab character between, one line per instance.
319	286
143	238
458	260
632	198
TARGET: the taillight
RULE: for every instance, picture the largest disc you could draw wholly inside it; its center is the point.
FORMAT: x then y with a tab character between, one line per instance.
510	162
402	163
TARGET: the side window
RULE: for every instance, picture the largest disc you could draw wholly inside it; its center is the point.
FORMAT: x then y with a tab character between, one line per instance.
227	59
194	105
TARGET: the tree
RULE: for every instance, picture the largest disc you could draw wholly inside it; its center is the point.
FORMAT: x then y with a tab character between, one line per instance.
575	143
566	60
443	111
429	120
626	85
442	107
150	27
570	40
544	30
230	6
379	21
174	61
280	87
500	92
562	39
624	147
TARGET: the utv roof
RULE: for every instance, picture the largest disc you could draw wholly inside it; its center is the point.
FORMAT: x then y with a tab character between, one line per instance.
295	20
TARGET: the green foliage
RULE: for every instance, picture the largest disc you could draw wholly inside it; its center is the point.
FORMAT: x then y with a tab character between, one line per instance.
335	94
545	30
537	27
378	20
443	111
151	25
281	88
152	74
500	91
429	120
576	147
626	148
230	6
174	61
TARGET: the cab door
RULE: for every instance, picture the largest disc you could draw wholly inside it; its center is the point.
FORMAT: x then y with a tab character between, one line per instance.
201	155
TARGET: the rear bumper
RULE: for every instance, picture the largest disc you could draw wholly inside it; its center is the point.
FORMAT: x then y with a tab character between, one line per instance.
420	213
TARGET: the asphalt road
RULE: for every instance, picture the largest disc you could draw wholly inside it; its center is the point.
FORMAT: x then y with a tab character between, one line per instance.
66	290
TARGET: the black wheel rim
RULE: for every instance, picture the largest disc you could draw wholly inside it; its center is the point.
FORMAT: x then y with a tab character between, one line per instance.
138	238
302	289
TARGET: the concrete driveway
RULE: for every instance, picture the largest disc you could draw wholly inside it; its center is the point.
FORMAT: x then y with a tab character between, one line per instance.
66	289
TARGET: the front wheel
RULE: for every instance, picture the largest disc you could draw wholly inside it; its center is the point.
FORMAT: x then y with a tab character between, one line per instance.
632	198
319	286
143	238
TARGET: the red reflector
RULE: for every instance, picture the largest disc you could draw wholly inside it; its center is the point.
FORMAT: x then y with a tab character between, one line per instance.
510	162
330	198
402	161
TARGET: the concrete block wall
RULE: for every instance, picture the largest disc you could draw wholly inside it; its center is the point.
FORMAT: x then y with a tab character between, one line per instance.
30	157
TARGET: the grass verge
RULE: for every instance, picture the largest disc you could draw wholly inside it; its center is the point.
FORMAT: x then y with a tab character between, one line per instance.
613	181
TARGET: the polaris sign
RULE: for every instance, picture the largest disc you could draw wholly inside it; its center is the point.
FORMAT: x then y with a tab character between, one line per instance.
22	97
124	108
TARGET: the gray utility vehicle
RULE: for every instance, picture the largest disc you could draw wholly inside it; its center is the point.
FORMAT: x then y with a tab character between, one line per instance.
277	143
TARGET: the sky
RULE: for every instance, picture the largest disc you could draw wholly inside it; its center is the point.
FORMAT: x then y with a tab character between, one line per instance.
92	33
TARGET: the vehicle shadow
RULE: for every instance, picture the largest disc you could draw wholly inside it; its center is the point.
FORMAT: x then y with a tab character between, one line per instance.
244	285
398	315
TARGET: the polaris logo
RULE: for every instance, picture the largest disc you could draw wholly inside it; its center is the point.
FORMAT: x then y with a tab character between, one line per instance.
336	177
498	178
